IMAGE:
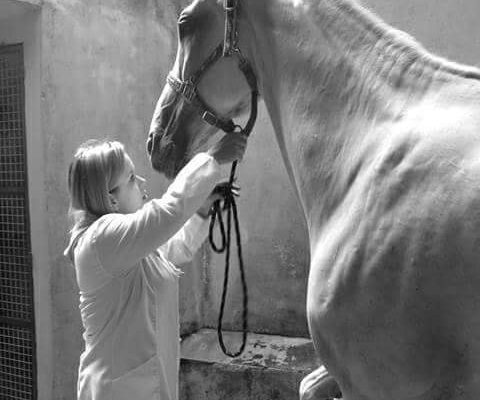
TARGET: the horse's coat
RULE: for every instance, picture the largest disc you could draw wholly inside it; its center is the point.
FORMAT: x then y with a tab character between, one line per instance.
381	140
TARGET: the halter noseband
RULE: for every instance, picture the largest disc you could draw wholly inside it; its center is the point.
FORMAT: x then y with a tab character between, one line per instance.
229	48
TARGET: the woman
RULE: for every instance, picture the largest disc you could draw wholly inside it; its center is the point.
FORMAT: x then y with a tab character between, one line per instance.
125	250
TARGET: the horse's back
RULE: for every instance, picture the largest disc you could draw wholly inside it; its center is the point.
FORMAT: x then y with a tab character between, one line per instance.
394	287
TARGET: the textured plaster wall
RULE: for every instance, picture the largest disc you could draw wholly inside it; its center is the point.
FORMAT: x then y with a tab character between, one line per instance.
103	63
446	27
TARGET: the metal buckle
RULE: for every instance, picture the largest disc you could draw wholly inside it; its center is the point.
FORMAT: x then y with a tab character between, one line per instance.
210	118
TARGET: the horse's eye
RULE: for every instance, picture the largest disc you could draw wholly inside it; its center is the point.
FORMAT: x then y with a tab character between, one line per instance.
181	24
184	26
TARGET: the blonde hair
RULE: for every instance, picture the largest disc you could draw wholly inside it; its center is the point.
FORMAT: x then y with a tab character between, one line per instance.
96	166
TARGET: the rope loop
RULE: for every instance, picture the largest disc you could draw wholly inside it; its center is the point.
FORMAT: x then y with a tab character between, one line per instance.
230	206
216	213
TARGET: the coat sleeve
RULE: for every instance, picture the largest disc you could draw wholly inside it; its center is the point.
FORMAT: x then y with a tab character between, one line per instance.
122	240
181	248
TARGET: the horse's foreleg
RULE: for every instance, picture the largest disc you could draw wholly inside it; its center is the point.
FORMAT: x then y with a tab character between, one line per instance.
319	385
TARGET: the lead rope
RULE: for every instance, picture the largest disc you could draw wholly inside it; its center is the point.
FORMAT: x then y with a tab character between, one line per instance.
231	207
230	48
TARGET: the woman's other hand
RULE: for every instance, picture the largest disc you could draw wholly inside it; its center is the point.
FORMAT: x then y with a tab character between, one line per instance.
218	193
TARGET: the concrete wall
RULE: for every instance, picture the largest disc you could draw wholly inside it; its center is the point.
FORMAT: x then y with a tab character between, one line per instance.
446	27
103	64
95	69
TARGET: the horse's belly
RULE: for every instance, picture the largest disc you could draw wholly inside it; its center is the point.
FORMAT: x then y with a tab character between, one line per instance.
378	310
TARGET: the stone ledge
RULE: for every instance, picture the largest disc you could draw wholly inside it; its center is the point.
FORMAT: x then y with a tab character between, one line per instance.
271	367
36	3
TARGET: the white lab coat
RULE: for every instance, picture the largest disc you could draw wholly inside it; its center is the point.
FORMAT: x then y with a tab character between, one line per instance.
129	290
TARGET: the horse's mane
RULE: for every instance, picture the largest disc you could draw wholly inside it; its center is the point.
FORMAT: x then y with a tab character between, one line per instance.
398	44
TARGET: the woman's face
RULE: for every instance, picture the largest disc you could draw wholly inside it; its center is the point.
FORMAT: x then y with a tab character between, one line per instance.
129	192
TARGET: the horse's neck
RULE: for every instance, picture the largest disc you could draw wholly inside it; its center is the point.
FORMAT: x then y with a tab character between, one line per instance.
328	71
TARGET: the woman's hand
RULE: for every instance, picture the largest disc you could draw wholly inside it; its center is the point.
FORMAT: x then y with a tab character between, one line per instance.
229	148
218	193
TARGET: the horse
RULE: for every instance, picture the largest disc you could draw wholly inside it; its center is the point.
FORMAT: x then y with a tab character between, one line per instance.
381	141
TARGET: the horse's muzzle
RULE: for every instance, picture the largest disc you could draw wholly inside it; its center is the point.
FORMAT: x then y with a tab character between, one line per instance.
161	150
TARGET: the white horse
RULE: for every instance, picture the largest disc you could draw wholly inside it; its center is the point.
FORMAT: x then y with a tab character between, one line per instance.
381	141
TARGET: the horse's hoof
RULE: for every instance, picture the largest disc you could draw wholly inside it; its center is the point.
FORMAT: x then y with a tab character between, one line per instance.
319	385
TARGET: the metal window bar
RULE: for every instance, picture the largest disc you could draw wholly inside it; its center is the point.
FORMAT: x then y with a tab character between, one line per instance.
17	330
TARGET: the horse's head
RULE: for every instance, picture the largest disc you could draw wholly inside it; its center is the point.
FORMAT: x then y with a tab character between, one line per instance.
178	130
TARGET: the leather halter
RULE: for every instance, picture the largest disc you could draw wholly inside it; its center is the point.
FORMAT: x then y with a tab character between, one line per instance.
188	88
